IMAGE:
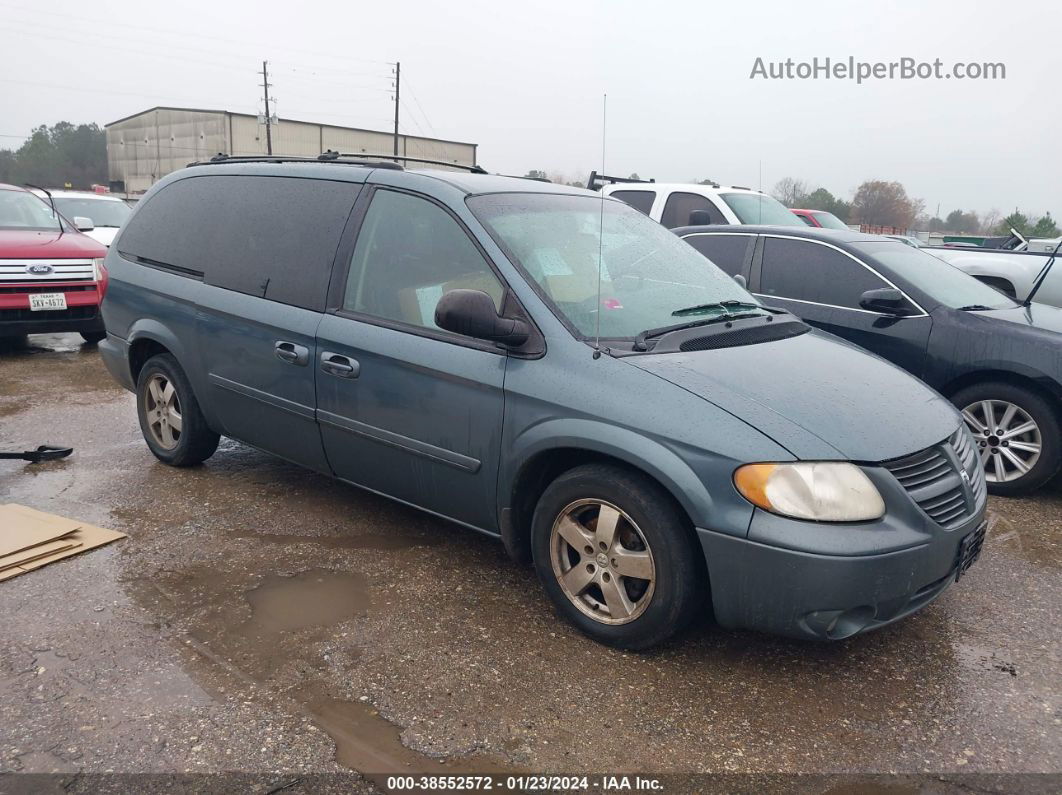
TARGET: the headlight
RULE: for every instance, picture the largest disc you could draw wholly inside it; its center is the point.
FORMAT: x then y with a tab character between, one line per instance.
827	491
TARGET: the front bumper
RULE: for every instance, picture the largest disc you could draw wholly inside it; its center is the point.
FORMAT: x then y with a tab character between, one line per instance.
15	323
828	597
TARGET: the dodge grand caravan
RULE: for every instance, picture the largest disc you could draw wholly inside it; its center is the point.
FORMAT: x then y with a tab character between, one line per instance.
554	369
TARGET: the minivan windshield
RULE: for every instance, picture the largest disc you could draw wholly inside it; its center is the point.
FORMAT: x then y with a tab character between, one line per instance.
756	208
21	209
103	212
942	282
647	274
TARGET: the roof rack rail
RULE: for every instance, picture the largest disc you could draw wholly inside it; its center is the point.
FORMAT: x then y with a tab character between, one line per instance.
597	181
332	156
221	157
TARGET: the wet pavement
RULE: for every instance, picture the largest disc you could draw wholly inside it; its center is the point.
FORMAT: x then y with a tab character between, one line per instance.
263	618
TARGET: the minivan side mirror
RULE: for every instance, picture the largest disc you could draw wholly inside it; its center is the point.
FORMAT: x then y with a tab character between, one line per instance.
741	280
83	224
887	300
472	313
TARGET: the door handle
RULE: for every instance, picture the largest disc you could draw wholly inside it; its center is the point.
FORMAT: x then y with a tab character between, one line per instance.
340	366
291	353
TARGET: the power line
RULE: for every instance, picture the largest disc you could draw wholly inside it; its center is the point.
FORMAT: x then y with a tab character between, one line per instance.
164	32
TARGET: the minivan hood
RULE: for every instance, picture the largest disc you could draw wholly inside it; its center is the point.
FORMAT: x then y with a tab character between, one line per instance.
28	244
816	395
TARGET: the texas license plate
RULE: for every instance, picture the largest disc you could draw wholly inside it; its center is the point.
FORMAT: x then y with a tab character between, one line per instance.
44	302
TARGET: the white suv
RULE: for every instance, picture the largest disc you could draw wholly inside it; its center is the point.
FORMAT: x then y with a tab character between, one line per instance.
676	204
98	215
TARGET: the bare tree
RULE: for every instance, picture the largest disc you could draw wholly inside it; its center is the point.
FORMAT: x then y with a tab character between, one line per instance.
990	220
790	192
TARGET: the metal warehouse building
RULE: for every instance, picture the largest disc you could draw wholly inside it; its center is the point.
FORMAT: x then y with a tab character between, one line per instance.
144	147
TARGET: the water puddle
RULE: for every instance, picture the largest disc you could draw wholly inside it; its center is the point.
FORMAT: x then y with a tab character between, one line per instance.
370	744
315	598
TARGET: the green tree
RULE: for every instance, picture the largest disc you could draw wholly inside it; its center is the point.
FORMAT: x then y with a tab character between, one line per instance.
822	199
1045	227
57	156
959	221
1017	221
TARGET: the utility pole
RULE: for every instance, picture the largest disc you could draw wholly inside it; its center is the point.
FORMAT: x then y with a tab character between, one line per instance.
398	86
268	120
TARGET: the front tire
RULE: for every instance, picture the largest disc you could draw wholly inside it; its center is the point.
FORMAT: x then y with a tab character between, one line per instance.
617	556
170	419
1017	433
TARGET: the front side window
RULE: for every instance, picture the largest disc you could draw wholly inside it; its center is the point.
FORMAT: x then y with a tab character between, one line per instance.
409	252
103	212
756	208
569	245
805	271
20	209
942	282
640	200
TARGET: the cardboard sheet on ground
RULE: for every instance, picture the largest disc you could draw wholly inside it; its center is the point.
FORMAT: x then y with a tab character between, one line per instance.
30	539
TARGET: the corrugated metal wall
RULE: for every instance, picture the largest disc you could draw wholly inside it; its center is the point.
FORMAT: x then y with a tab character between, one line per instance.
144	148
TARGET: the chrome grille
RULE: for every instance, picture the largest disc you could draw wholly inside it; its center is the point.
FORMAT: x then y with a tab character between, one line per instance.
73	270
933	478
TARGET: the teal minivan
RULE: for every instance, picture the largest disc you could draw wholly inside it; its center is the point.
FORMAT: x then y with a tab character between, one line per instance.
551	368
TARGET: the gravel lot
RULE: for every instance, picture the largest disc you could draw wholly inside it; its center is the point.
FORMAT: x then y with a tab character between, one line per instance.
264	619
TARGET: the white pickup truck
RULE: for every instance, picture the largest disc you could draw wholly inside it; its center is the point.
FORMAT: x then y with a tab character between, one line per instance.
692	204
1012	272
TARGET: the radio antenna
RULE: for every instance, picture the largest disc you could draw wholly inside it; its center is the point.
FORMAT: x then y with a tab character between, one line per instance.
600	230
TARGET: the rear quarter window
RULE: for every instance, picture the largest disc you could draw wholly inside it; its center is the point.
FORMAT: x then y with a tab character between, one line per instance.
641	200
728	252
272	237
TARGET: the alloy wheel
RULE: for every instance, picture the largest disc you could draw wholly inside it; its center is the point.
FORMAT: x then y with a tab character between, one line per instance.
602	561
162	409
1007	437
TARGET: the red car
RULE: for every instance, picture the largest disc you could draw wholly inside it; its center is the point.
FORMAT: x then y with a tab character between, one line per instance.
820	219
52	277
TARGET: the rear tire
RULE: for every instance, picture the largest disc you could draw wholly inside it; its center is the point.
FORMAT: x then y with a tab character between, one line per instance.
1015	463
92	337
173	426
617	556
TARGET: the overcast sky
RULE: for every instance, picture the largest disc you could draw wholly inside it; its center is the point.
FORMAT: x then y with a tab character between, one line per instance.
525	82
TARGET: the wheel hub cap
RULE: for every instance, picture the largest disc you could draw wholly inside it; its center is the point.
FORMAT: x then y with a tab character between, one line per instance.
602	561
1007	437
162	409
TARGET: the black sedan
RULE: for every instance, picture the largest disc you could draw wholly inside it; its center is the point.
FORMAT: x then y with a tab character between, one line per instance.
999	361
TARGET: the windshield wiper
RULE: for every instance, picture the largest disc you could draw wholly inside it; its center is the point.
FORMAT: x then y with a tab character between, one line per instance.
726	306
648	334
975	308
